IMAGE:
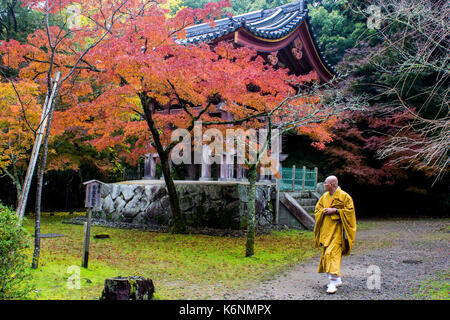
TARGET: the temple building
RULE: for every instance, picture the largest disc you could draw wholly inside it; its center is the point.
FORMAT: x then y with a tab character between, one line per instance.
283	36
285	30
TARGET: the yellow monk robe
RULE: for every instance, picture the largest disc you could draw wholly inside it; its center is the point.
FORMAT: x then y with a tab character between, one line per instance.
335	232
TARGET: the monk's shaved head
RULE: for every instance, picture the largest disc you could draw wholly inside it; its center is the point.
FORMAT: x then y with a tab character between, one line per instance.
333	180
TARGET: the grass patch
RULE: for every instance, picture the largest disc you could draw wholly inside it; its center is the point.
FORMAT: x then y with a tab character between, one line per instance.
365	225
178	264
436	288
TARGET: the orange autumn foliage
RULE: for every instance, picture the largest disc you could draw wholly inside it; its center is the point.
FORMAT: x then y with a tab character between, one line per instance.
139	58
18	120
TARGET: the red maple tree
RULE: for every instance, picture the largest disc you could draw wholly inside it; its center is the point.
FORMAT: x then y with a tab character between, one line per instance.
151	83
136	85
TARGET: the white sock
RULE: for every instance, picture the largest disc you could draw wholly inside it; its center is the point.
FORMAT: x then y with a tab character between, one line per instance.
336	281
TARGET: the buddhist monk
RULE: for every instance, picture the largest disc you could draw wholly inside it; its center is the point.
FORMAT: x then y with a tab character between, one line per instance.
335	230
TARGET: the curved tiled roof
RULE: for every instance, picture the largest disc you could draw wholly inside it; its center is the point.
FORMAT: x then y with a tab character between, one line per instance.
270	24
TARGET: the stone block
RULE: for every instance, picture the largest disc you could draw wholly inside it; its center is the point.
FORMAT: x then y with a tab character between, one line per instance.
105	190
132	208
127	192
108	204
139	190
213	192
115	191
242	192
119	204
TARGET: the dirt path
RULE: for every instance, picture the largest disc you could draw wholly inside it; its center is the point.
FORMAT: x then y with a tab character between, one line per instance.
405	251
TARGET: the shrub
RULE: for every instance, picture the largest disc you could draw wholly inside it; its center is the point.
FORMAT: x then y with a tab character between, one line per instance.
14	272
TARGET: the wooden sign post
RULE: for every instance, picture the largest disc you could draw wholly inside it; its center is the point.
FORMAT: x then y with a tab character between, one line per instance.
93	200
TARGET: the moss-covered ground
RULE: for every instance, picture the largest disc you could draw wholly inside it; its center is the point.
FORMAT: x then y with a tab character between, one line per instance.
181	266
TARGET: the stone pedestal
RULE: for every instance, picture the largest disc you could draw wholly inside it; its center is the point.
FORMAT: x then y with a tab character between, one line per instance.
220	205
150	167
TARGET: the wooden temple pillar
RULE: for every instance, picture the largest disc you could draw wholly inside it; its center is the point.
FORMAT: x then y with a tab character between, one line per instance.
241	173
227	167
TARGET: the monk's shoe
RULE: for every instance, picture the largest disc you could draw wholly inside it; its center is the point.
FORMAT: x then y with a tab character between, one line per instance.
331	288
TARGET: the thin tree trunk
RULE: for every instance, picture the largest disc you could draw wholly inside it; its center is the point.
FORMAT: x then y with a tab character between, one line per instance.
40	181
179	221
16	181
37	222
18	193
251	214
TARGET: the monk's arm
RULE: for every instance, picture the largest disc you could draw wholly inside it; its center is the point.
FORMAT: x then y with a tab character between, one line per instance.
319	209
348	212
348	205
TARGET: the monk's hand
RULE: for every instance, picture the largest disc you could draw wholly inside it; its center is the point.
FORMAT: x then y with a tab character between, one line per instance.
329	210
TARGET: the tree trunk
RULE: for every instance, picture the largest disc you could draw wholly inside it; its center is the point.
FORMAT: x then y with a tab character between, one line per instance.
251	214
18	193
179	221
178	218
16	181
40	181
37	222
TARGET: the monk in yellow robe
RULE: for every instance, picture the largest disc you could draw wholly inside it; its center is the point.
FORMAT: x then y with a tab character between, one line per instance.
335	230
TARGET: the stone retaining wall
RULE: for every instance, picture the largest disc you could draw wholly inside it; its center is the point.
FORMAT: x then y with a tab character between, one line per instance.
205	204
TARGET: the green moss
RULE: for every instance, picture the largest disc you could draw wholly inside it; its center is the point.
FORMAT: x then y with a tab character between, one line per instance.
174	262
133	287
435	288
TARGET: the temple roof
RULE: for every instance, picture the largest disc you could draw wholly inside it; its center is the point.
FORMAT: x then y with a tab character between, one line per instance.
272	23
266	26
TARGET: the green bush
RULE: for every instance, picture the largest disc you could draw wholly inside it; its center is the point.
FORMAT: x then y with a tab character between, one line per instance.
14	272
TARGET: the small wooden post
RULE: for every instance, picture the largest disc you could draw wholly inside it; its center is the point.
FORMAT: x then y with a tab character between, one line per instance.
293	178
93	200
139	170
277	201
87	239
316	173
304	177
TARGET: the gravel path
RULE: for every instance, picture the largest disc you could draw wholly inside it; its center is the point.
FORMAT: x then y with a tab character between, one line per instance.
405	251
